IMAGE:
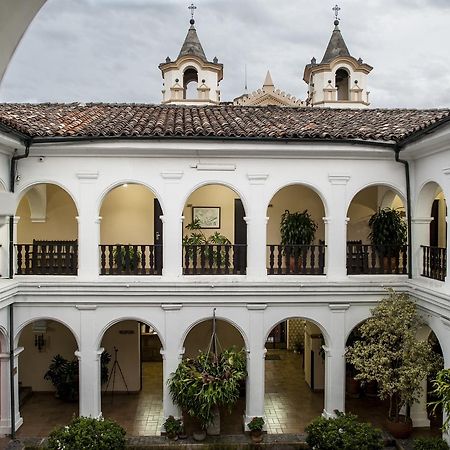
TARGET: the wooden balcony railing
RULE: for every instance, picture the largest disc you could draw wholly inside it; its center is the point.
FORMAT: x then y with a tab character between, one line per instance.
366	259
434	263
127	259
47	258
296	259
226	259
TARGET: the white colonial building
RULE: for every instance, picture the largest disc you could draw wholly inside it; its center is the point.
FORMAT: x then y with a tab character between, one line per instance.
96	198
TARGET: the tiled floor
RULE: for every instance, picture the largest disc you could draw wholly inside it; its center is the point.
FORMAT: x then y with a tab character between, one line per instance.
140	414
289	403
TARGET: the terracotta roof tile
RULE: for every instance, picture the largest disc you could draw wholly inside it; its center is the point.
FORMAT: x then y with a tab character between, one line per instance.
225	121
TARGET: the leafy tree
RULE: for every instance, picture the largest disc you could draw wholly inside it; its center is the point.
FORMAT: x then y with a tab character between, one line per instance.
390	354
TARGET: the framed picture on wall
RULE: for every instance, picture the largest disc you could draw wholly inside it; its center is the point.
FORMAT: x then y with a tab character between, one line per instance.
208	216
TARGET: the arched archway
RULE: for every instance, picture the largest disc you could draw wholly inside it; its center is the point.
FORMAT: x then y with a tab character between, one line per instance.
47	232
131	232
214	232
364	254
48	377
132	390
294	374
199	338
433	238
190	83
342	80
296	232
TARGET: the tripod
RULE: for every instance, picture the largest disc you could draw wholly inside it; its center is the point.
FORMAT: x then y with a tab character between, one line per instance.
115	367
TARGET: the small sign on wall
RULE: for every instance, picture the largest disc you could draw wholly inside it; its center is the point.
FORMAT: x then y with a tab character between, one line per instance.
126	332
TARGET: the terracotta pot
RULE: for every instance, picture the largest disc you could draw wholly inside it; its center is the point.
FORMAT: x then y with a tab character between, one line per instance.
199	435
257	436
353	387
401	429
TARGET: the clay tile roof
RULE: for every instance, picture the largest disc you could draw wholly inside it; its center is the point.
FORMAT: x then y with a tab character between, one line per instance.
226	121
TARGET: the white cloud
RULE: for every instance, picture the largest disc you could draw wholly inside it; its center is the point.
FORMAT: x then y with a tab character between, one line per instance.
109	50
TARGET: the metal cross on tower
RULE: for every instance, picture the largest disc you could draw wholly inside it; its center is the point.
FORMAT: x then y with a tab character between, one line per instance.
192	8
336	10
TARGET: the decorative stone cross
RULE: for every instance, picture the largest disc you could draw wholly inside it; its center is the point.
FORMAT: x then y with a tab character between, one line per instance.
336	10
192	8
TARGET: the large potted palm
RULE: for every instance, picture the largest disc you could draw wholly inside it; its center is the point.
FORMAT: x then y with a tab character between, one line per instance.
298	230
388	235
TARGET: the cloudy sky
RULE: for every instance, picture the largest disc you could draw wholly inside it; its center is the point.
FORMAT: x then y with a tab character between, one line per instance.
109	50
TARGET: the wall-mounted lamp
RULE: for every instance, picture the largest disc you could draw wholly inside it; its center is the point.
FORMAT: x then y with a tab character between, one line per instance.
39	341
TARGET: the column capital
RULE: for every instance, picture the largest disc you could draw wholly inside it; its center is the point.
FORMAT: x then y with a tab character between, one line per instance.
338	307
422	220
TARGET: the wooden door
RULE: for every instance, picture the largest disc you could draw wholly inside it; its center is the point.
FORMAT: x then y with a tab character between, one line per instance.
158	236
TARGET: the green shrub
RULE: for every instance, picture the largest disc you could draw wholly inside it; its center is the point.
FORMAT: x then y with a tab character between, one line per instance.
256	424
87	433
344	433
430	444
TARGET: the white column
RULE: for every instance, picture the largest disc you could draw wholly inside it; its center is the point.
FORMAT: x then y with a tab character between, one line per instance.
421	236
5	398
88	230
255	364
335	362
16	220
256	246
172	244
89	364
172	354
4	246
336	229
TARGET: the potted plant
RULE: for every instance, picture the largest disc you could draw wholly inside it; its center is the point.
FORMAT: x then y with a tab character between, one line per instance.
123	252
297	229
64	376
388	235
442	392
173	427
390	354
201	384
256	426
198	239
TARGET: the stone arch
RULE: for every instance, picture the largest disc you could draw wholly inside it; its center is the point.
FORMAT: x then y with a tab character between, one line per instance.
128	181
2	186
219	183
310	186
38	196
203	319
396	189
427	193
117	320
285	317
21	327
190	76
342	83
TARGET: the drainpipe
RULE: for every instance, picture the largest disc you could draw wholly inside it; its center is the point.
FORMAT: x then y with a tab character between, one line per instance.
12	178
408	207
13	169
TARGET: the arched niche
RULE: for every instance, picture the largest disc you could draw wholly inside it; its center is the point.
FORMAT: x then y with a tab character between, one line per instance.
190	83
342	81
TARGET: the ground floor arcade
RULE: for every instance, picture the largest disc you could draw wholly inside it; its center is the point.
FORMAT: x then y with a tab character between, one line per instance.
282	384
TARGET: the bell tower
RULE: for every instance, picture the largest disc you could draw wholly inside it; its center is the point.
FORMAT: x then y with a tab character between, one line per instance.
339	80
191	79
